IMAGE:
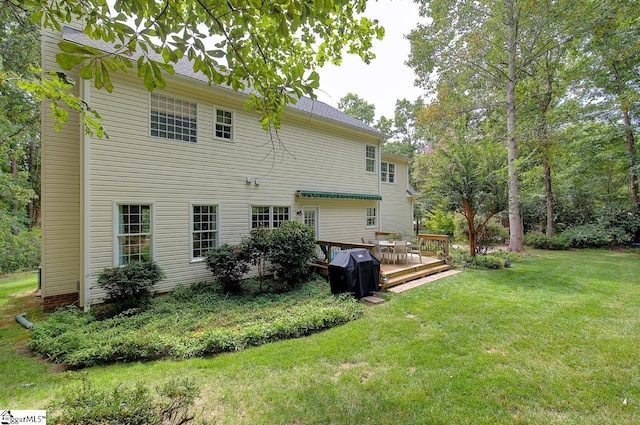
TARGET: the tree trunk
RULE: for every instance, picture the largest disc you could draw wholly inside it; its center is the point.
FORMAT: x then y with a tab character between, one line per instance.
14	203
469	214
628	135
515	219
545	101
34	179
548	194
631	149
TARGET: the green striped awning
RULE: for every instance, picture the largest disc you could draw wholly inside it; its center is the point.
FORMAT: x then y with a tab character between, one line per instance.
337	195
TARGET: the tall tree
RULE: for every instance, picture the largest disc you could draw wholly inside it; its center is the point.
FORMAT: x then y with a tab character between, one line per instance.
495	41
465	173
407	136
357	107
610	69
542	90
19	120
271	49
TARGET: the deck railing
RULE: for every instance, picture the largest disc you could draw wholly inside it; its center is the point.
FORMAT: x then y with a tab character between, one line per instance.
328	249
432	245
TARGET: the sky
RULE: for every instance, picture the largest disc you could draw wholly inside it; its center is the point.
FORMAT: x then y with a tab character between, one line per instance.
386	78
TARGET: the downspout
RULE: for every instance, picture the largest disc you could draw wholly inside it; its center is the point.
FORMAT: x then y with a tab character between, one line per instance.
378	174
414	227
86	201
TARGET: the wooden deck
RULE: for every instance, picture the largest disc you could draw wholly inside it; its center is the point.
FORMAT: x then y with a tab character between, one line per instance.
398	273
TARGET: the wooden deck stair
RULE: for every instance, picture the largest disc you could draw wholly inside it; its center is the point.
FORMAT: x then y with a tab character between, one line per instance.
414	271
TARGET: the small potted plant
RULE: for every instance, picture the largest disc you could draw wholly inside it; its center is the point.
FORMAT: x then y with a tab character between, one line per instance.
383	278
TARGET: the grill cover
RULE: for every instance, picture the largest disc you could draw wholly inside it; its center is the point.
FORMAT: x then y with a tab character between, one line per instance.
356	271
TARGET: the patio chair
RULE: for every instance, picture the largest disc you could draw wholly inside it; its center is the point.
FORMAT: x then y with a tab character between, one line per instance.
415	249
400	251
380	252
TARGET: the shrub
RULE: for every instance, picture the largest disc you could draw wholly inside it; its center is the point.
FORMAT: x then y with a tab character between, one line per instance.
125	405
589	236
498	259
542	241
189	323
293	246
440	222
494	234
228	264
130	286
256	249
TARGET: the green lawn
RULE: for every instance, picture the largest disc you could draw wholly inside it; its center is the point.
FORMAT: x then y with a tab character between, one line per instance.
555	339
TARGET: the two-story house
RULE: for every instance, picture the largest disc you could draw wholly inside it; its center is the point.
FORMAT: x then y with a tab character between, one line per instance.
187	168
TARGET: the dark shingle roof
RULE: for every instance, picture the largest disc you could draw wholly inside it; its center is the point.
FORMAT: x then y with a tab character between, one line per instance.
185	69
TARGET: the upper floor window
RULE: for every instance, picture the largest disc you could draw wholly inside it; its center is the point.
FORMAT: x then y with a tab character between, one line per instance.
371	217
223	125
173	118
204	230
370	158
269	217
134	233
388	172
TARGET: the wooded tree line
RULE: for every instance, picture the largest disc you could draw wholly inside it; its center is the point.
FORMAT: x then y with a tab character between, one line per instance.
19	144
550	89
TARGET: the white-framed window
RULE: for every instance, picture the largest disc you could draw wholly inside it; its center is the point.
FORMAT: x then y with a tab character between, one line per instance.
388	172
372	217
267	216
173	118
204	230
370	159
133	233
223	124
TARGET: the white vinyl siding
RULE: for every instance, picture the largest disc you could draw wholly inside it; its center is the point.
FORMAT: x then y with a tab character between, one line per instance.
173	118
223	124
132	167
370	158
387	172
204	230
372	217
396	207
61	176
269	217
133	238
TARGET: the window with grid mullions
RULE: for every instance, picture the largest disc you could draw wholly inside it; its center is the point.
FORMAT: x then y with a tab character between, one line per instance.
268	217
371	217
223	124
134	233
204	230
173	118
387	172
370	159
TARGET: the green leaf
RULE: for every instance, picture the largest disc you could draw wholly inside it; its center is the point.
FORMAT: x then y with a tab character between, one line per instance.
105	76
68	61
149	81
216	53
68	47
86	72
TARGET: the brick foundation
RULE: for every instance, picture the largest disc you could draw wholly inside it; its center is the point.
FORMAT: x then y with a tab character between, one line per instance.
60	300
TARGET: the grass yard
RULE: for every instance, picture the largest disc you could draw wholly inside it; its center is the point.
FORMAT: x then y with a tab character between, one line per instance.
555	339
